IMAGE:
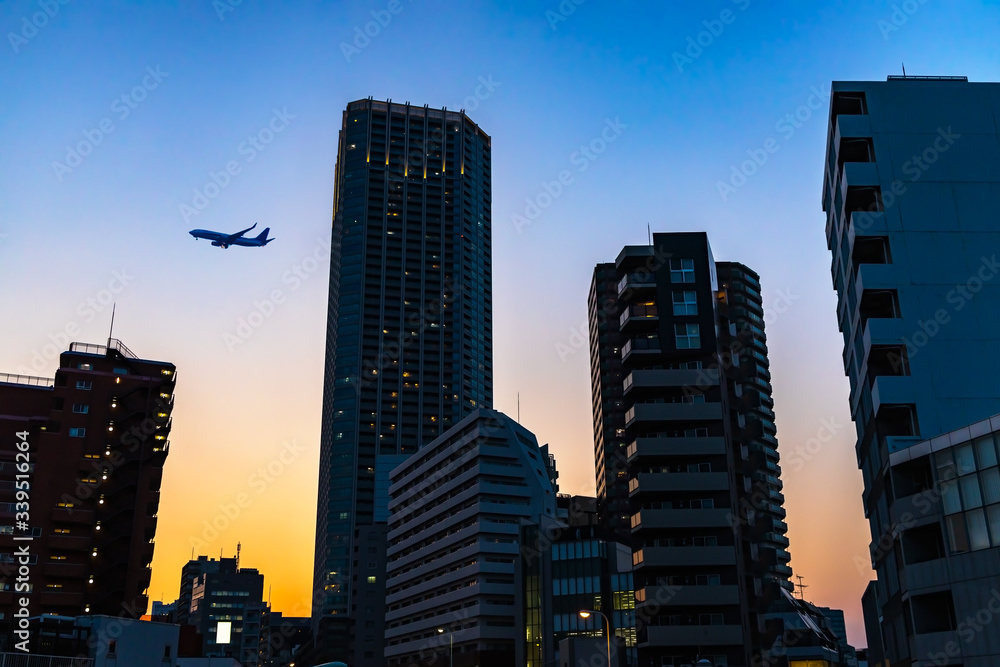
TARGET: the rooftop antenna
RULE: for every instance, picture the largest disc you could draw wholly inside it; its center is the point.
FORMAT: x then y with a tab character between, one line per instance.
238	555
649	232
904	68
801	586
112	329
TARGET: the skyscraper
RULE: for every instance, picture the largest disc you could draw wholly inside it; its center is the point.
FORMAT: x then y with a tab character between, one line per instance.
409	338
911	194
686	449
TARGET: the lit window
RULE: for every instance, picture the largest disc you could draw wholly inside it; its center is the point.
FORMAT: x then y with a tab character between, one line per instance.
688	336
84	367
77	432
682	270
685	303
371	580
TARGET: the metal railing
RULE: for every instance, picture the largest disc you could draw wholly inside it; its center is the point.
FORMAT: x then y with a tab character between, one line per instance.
9	378
29	660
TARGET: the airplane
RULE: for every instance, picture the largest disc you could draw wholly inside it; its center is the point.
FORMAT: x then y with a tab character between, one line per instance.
221	240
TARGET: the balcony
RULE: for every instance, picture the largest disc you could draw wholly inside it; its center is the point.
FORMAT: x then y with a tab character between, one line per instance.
700	379
637	281
713	518
682	556
687	635
694	596
640	312
641	346
667	446
667	412
681	481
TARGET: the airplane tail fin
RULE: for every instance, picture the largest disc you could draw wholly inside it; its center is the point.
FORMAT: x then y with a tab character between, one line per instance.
262	237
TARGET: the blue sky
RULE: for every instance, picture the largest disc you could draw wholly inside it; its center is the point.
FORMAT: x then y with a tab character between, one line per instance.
682	92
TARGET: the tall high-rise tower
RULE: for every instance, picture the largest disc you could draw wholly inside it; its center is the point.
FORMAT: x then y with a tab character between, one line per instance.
409	338
685	445
911	194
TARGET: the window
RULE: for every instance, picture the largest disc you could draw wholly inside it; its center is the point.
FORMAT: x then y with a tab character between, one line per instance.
85	385
85	367
121	371
77	432
80	408
682	270
371	580
112	647
688	336
685	303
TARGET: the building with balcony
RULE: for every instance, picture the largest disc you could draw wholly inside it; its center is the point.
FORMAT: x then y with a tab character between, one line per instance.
455	513
86	463
684	430
911	191
409	338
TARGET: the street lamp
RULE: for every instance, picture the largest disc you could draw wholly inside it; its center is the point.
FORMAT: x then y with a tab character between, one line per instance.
451	646
585	613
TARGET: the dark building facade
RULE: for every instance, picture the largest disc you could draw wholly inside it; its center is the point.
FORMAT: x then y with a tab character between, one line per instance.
409	334
228	610
96	439
565	569
910	193
683	419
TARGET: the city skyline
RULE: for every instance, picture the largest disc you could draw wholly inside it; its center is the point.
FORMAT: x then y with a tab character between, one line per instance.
264	87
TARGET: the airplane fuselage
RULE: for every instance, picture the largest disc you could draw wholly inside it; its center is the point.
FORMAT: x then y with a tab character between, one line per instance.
221	240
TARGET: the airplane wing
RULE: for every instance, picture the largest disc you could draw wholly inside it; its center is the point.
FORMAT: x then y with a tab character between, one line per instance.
239	234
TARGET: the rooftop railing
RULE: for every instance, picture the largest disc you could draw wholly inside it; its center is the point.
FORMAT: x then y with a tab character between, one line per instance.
30	380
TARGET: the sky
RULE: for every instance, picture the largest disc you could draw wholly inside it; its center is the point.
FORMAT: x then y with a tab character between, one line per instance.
127	124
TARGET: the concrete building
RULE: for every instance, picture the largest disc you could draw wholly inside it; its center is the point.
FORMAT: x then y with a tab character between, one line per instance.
911	191
96	440
684	429
409	338
456	510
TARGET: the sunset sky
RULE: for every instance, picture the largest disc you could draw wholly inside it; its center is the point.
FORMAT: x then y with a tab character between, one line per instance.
118	122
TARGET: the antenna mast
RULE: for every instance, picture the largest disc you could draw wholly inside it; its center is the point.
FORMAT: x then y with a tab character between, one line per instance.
801	586
112	329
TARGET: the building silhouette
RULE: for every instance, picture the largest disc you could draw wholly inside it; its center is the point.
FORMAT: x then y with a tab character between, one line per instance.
911	193
409	338
96	440
686	449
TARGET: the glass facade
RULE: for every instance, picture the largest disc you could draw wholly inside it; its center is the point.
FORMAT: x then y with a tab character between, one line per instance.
409	329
